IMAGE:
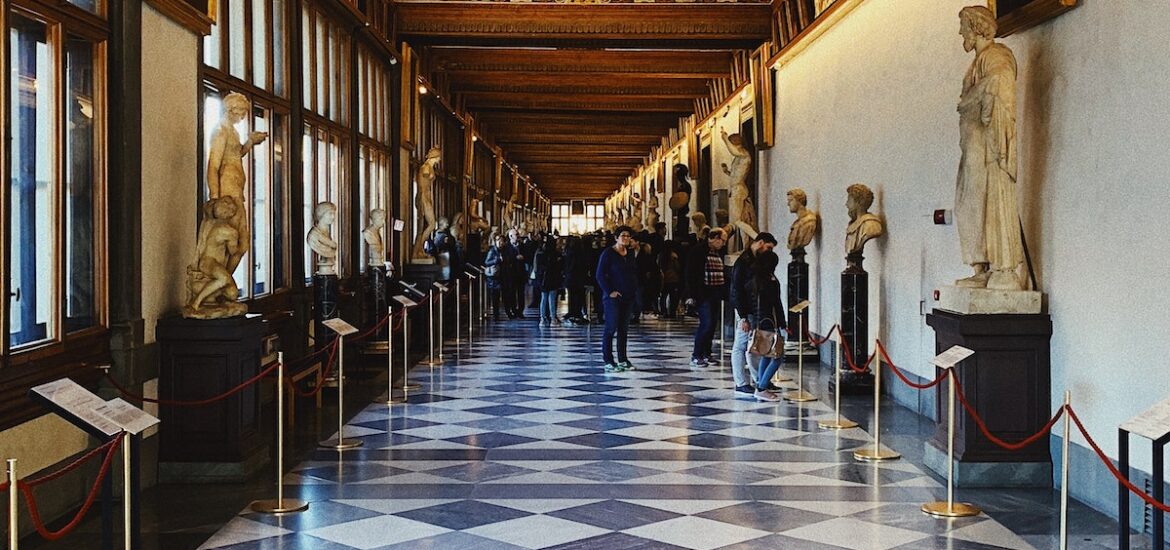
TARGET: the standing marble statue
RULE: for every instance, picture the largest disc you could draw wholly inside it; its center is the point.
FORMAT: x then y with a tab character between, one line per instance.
211	289
985	193
477	223
225	167
805	226
320	239
741	211
372	234
635	220
863	226
652	207
425	177
680	200
508	220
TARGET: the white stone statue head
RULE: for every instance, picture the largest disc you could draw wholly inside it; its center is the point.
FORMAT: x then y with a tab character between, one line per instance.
377	218
859	200
324	214
797	198
434	153
976	22
236	107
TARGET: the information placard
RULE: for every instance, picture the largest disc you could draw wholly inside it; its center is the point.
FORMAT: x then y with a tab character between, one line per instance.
799	307
79	402
399	225
1152	423
126	416
339	326
474	268
951	357
407	302
470	275
442	287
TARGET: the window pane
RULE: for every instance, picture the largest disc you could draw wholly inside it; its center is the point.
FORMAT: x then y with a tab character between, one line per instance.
278	195
307	163
322	74
307	59
34	227
261	208
80	252
279	38
211	42
237	47
260	43
88	5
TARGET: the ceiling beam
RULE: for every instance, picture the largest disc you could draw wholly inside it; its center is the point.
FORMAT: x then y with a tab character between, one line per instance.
536	62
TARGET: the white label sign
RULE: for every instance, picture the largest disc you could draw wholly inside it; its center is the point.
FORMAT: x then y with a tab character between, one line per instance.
79	402
127	416
1153	423
442	287
799	307
471	276
405	301
399	225
339	326
951	357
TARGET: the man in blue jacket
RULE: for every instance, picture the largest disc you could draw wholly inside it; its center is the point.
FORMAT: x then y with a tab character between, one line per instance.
617	275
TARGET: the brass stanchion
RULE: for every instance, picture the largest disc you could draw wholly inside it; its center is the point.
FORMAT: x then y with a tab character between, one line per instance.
442	290
13	516
876	454
127	494
799	395
838	423
1064	464
390	357
340	443
722	331
472	283
950	508
458	314
281	505
433	361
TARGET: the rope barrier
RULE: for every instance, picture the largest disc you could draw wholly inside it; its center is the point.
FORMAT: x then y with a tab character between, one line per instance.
176	403
817	343
324	375
987	433
1121	478
34	512
905	380
853	366
72	466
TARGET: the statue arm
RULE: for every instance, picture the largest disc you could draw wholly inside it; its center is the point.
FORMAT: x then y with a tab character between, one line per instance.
998	114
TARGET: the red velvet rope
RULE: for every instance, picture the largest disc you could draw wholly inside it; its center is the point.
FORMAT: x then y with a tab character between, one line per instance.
817	343
74	465
321	382
200	402
35	514
885	357
1121	478
853	366
987	433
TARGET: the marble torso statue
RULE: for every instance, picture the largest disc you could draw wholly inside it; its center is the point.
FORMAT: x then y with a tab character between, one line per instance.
372	234
425	177
741	211
321	241
652	209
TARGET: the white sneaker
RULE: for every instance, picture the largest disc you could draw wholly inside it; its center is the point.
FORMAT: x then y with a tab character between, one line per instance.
765	395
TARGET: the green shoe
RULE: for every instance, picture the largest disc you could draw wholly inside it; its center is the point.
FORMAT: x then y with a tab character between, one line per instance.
611	368
626	365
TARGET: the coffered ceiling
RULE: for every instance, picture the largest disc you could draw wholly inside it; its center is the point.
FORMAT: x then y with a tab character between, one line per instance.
578	93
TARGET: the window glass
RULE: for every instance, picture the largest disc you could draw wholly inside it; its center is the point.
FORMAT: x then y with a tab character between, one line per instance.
279	46
33	185
261	208
91	6
211	42
80	253
236	38
307	163
260	53
279	182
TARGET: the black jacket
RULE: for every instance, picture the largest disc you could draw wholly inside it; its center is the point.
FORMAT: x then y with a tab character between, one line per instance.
766	310
550	273
741	275
694	275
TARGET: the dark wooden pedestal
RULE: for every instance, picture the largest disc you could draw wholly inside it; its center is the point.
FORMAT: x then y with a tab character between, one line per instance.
797	293
855	327
1008	382
220	441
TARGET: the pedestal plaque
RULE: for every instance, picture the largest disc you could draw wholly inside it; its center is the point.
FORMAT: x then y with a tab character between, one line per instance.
202	358
855	325
1008	382
325	295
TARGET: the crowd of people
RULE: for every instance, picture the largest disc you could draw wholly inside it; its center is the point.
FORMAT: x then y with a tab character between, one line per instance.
629	274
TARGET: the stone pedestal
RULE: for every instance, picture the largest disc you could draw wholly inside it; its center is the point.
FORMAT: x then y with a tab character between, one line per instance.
797	293
1008	382
325	295
377	295
220	441
855	326
980	301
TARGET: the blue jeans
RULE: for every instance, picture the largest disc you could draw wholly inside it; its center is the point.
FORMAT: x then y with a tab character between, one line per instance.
708	310
548	305
617	323
740	365
768	368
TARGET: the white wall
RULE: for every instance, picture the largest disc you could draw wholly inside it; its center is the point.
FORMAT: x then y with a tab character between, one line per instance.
873	101
170	110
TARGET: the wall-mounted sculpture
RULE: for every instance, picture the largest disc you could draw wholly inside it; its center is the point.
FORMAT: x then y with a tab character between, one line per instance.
425	178
635	220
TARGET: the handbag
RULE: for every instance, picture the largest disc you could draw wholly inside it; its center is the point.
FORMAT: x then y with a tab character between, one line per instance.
767	343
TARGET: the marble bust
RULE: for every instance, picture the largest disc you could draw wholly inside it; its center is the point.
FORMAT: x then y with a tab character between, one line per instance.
320	240
863	226
805	226
986	215
372	234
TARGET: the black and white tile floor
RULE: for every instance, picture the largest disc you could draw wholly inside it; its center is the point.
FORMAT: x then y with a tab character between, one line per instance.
522	442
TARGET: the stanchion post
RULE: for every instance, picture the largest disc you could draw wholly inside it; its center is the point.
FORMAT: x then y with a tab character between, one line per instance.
799	396
876	454
340	443
280	505
1064	463
127	493
471	284
950	509
838	423
458	315
722	331
390	356
13	516
431	328
442	291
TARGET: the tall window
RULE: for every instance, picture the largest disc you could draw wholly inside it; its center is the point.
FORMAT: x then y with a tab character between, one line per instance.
324	172
246	53
374	127
54	195
577	218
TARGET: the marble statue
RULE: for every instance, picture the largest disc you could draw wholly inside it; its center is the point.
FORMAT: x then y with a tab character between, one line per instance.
425	177
211	289
477	223
635	219
741	212
652	207
375	246
863	226
508	220
321	241
225	167
985	192
805	226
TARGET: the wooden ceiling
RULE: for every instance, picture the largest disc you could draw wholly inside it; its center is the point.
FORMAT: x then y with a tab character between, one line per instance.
577	94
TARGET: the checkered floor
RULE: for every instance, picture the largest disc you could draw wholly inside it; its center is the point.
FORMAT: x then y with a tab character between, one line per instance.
522	442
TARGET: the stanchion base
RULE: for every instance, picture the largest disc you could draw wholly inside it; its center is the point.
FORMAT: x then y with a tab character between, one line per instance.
330	382
782	378
276	506
800	396
340	444
836	424
390	402
411	386
955	510
869	454
436	362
